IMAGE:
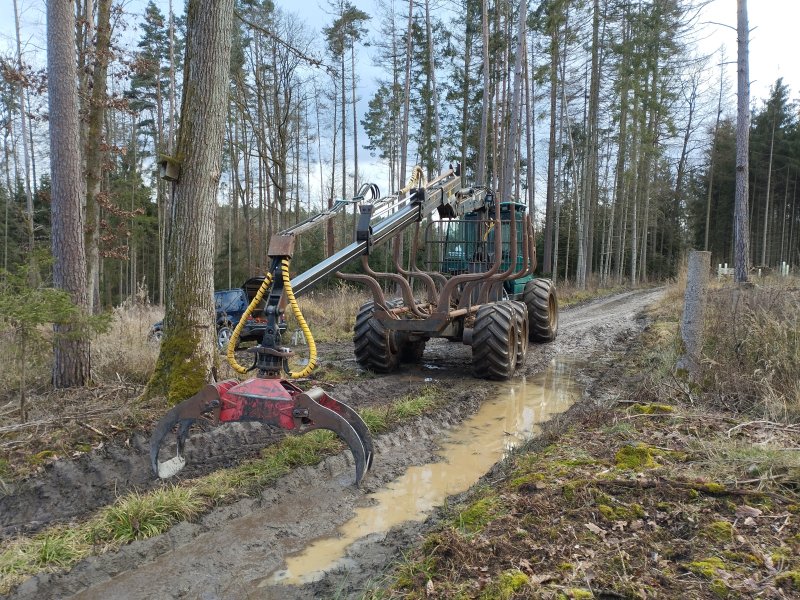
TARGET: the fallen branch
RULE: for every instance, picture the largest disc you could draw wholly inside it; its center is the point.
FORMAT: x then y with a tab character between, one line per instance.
766	425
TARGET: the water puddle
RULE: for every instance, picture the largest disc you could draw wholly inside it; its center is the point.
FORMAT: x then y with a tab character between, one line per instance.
466	454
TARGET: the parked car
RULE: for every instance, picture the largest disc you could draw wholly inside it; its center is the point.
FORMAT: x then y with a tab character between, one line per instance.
230	306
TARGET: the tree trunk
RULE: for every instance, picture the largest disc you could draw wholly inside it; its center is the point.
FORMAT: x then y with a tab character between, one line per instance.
480	170
72	359
764	255
188	350
95	154
465	90
548	259
513	122
713	150
435	95
740	217
33	274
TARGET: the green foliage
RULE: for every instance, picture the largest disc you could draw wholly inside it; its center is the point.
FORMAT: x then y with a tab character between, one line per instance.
24	311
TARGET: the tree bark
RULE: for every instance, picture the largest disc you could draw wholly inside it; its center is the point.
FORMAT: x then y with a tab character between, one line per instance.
95	153
548	259
188	349
72	359
33	273
513	122
740	216
480	170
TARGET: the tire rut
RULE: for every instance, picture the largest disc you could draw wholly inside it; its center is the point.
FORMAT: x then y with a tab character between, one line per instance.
222	554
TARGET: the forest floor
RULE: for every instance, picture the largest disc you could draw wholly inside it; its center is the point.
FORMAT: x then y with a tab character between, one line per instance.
637	490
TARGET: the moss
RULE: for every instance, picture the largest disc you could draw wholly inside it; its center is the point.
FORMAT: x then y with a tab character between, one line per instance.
527	482
743	558
565	566
619	512
651	409
508	584
720	588
635	457
569	491
608	513
579	593
42	456
720	531
780	557
478	514
789	580
711	488
707	567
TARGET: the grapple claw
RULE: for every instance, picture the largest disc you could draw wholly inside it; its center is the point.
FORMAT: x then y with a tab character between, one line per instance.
274	402
324	412
183	415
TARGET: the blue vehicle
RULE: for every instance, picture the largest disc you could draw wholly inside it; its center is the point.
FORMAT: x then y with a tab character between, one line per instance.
230	306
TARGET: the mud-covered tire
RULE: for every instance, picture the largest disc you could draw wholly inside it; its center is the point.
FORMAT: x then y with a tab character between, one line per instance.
494	341
376	347
542	303
522	331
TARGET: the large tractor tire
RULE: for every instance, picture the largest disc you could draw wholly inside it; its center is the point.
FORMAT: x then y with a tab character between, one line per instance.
522	331
376	347
410	352
542	303
494	341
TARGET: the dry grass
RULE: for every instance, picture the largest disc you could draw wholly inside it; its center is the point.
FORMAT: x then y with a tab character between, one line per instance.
569	293
124	353
752	350
331	314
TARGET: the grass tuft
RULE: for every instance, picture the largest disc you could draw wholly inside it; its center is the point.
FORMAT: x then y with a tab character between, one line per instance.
140	516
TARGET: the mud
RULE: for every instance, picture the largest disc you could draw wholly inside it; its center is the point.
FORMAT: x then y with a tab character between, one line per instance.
227	552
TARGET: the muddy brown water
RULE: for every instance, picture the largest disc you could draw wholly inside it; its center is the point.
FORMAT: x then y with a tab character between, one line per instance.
228	552
467	453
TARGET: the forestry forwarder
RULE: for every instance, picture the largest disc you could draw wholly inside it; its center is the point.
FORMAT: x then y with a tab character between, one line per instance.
478	280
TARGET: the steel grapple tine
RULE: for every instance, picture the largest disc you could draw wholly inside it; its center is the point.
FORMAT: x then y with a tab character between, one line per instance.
183	415
326	413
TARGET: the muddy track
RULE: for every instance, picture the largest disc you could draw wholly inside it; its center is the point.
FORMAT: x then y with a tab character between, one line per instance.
229	552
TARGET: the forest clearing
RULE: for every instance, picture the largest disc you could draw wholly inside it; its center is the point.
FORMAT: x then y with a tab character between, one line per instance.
232	367
647	486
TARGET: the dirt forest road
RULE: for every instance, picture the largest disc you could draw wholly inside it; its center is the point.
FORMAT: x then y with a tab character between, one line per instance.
231	552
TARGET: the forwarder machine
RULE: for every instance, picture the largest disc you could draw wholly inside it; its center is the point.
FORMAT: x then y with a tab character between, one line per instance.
469	278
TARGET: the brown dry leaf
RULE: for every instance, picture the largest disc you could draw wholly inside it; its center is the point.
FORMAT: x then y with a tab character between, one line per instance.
747	511
595	529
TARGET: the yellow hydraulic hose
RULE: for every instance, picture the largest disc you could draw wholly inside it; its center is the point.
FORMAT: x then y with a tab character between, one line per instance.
417	175
312	346
235	336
